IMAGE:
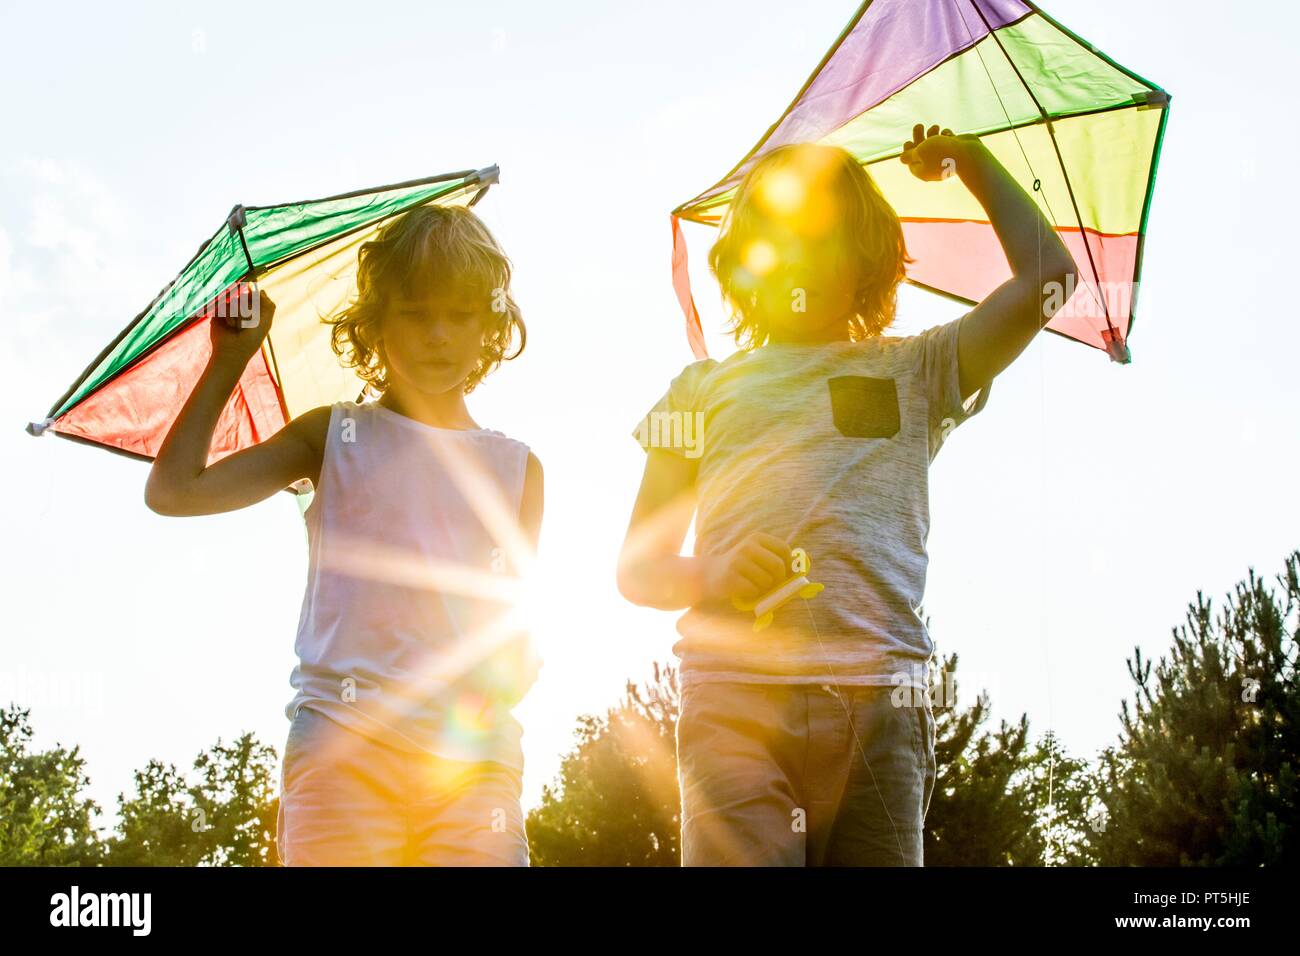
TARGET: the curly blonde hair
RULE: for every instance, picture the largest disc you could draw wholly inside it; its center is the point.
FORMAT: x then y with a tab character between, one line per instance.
425	249
866	226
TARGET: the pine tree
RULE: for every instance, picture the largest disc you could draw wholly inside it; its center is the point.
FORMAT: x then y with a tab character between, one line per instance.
617	801
998	800
1204	773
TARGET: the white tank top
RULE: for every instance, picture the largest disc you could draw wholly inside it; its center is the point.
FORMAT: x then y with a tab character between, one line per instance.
396	636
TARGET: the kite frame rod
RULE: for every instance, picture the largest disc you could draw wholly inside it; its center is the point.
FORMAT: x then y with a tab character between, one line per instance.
466	174
1155	152
794	102
1060	160
962	300
82	439
688	216
275	264
1142	226
1093	48
107	350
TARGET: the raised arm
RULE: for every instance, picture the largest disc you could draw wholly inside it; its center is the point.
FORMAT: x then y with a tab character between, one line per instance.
181	483
1002	326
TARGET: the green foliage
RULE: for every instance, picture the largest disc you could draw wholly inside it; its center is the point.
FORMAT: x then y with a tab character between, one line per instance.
972	821
239	795
998	801
1063	791
44	819
225	818
1204	773
156	827
617	803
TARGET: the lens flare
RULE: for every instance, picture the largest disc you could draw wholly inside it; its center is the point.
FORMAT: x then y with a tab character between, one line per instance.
799	198
759	257
782	193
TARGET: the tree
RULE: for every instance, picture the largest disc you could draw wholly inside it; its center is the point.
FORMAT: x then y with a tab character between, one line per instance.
226	818
998	801
239	795
617	803
1204	773
1063	791
617	800
44	818
156	825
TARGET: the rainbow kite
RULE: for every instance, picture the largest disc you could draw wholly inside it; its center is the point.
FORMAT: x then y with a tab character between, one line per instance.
304	255
1068	122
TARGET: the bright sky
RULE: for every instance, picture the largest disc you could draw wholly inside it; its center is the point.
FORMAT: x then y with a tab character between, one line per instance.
1073	520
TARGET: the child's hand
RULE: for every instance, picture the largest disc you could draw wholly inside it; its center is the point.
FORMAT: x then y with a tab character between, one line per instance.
240	331
749	570
933	155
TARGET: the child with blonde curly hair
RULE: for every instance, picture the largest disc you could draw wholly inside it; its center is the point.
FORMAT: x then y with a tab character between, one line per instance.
401	749
811	741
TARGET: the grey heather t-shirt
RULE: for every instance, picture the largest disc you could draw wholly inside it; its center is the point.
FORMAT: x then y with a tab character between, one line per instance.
827	446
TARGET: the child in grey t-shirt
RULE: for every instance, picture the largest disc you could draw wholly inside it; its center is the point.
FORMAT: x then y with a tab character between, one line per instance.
826	446
818	434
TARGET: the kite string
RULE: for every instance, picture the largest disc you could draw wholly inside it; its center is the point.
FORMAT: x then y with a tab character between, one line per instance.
1042	579
1047	121
1042	380
857	741
811	618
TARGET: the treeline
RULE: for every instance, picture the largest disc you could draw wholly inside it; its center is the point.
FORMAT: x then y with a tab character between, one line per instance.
1203	774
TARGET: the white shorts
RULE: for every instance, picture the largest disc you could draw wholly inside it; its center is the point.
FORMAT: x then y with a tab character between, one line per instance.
348	800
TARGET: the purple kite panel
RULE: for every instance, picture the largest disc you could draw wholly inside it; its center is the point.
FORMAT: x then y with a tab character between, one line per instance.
893	43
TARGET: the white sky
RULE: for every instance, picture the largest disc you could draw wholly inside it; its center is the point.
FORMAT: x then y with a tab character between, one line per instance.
1072	520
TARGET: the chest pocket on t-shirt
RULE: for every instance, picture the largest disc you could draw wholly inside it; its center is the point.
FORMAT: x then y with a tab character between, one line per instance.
864	407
